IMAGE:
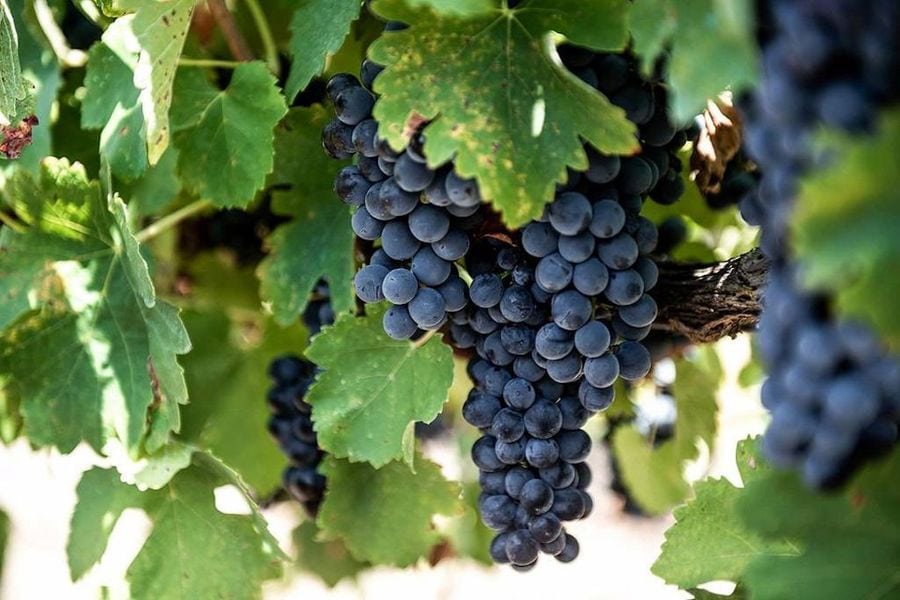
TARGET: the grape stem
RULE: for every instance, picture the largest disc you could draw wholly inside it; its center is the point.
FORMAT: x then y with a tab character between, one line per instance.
233	38
208	63
424	339
171	220
265	35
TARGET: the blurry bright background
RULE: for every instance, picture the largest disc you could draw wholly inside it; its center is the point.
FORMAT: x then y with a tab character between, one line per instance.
37	490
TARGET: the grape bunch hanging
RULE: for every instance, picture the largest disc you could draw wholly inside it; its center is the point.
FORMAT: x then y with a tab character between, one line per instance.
291	426
551	314
833	390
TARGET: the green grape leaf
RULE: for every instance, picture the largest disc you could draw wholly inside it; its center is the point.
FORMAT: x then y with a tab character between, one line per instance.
155	190
227	152
11	81
193	550
654	475
80	311
463	8
466	533
709	541
849	541
111	104
372	388
158	28
227	380
319	241
384	515
652	23
329	560
507	112
713	47
318	28
844	228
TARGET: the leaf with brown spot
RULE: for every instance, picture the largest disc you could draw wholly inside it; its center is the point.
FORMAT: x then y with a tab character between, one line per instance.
719	142
499	102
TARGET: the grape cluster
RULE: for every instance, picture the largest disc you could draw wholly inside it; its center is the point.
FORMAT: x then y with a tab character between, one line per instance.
833	390
531	462
555	312
740	180
556	315
420	217
318	312
291	426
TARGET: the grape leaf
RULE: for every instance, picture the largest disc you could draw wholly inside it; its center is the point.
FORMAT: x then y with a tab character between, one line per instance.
709	541
319	241
89	350
11	82
227	380
4	538
651	23
193	550
654	475
155	190
158	28
850	542
509	114
713	47
318	28
384	515
329	560
844	228
227	153
373	388
455	7
111	104
466	533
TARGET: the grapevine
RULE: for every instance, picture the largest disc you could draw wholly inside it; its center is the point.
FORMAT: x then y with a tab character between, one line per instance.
357	290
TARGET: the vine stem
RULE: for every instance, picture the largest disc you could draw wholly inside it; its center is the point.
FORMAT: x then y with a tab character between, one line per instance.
171	220
424	339
208	63
11	223
233	38
265	35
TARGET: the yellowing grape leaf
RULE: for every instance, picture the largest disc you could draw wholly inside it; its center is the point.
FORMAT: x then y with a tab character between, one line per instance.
155	30
499	101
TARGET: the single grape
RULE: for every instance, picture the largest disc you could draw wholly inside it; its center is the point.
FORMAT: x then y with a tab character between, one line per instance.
368	282
398	324
427	308
412	176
